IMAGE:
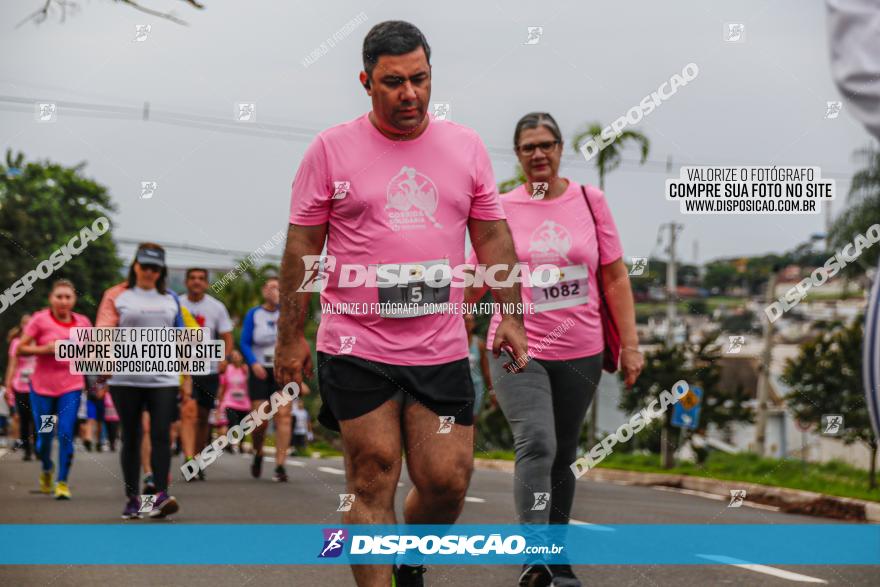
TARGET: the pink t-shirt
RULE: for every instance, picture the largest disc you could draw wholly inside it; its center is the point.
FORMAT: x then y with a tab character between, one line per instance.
53	378
24	368
561	232
393	202
236	395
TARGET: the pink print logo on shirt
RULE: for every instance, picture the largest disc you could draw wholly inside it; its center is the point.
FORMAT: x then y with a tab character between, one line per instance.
549	243
412	198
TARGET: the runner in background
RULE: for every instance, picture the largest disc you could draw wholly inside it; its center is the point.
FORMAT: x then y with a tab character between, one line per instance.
302	426
55	391
479	363
558	222
111	418
234	399
94	415
258	347
209	313
19	370
185	392
143	301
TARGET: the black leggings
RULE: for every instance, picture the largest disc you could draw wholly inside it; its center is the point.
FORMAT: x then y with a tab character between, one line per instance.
25	420
161	403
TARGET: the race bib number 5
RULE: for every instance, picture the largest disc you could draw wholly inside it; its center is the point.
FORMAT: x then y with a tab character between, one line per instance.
404	291
571	290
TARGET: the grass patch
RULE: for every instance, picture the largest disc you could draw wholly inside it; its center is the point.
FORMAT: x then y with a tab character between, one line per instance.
833	478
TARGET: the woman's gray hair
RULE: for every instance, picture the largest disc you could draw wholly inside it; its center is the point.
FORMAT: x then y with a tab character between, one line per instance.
534	120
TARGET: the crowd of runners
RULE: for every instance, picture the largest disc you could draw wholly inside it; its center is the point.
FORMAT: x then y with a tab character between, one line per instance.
393	186
156	416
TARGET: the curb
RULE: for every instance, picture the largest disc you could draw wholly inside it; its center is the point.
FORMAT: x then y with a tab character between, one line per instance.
792	501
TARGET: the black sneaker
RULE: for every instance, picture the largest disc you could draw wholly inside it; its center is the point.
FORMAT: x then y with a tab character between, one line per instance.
201	475
88	445
409	576
257	466
535	575
280	475
563	576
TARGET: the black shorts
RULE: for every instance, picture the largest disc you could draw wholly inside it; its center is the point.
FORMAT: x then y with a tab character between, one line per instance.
299	440
204	390
351	387
262	389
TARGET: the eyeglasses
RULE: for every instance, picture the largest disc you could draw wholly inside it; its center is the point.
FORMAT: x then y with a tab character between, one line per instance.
155	268
528	149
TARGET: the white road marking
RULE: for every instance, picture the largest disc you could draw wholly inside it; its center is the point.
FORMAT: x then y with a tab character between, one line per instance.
597	527
474	499
3	452
773	571
757	506
294	463
332	470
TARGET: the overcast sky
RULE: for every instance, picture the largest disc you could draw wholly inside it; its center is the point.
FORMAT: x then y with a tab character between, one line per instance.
757	102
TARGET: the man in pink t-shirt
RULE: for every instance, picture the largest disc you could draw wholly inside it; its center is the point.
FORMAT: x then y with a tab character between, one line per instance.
394	186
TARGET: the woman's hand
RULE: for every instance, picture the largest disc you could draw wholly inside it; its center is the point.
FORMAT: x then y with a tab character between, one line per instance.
631	364
259	371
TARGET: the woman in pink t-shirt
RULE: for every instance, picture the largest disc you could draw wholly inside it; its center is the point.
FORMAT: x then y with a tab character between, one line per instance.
558	222
55	391
18	390
234	399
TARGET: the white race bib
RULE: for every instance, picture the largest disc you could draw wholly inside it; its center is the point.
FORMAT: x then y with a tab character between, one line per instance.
571	290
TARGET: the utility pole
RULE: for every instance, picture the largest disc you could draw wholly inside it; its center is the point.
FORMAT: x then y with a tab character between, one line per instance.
667	451
764	373
671	285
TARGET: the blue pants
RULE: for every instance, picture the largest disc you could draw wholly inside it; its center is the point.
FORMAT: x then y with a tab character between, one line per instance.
65	407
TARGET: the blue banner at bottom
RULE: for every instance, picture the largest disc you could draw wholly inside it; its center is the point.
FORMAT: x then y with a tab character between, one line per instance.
582	544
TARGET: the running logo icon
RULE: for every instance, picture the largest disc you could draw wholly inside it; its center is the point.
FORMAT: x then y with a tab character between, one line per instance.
534	37
317	271
148	502
549	243
446	423
441	110
639	264
340	189
832	109
734	32
542	498
141	31
832	424
346	344
346	500
407	190
246	112
47	424
46	112
737	496
334	540
539	189
735	344
148	189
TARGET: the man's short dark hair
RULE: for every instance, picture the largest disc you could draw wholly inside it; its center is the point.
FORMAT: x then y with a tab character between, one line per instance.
192	270
392	37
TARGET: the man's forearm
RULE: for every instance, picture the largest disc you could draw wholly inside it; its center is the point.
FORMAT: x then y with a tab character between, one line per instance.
493	244
294	305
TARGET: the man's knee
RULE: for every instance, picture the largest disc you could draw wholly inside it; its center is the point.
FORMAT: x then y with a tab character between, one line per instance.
447	482
373	477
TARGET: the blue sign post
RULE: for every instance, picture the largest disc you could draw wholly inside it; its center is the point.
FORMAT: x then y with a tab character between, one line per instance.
686	413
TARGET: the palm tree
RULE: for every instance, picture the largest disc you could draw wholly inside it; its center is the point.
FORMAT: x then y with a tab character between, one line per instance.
609	158
862	212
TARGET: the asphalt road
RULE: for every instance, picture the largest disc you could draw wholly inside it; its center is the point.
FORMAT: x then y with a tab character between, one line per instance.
230	496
